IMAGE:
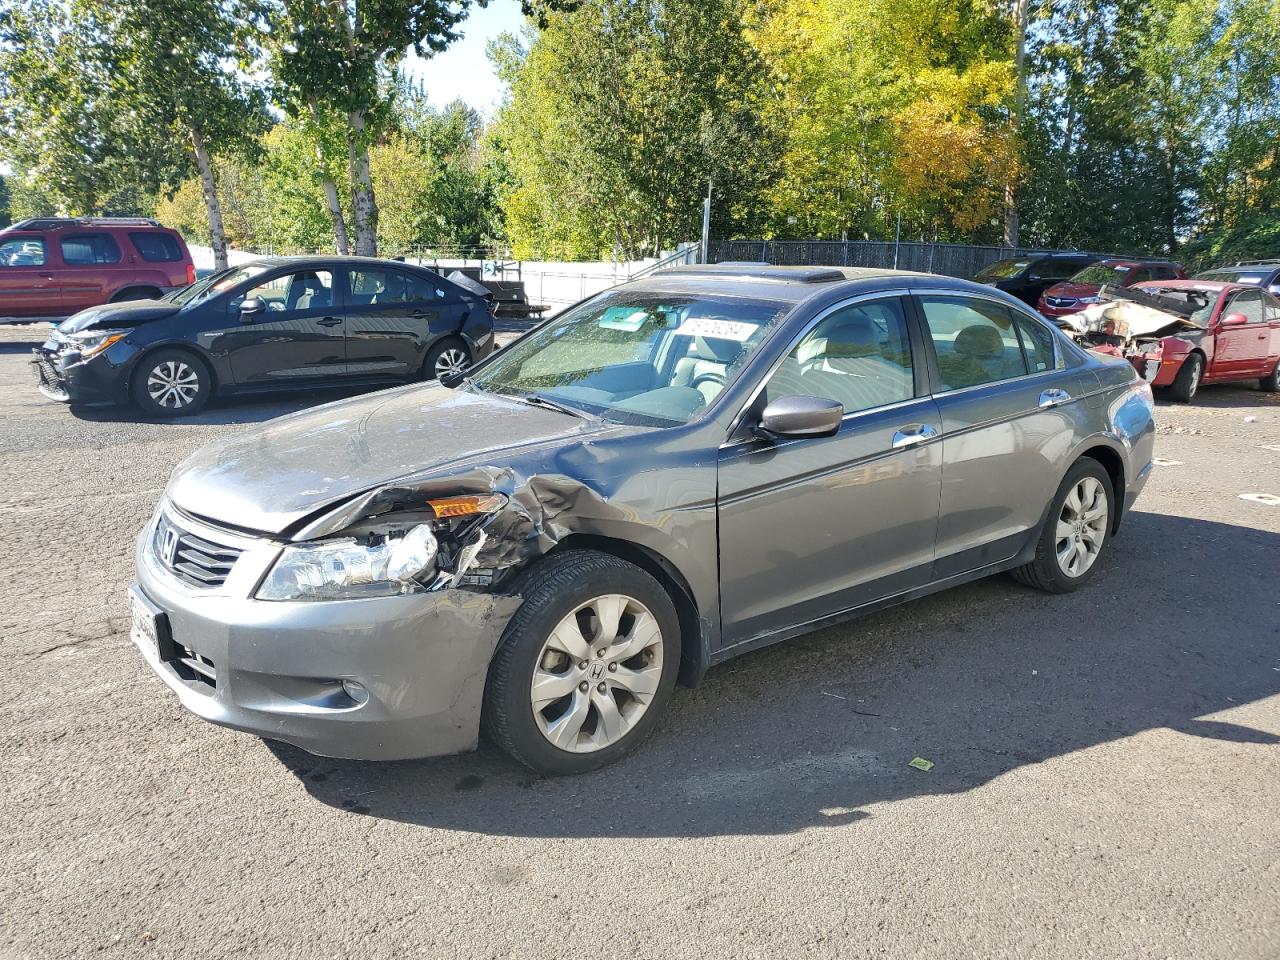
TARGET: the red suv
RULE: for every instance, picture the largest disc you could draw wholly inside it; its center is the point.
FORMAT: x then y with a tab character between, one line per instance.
54	267
1081	289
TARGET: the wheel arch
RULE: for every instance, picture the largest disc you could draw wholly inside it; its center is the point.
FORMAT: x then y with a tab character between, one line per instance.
694	641
1113	463
148	288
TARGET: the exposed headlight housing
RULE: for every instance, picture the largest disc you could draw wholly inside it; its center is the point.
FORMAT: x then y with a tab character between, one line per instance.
348	568
384	557
1090	299
90	343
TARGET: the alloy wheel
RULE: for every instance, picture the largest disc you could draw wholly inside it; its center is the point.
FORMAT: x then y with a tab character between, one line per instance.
1082	527
452	362
173	384
597	673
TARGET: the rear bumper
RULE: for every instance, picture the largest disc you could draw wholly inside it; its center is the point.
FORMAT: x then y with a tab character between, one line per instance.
277	668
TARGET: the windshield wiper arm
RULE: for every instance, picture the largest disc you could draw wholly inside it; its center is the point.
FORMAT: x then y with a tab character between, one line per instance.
538	400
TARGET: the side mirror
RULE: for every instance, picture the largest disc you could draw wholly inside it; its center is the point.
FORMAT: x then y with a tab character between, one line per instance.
800	417
249	308
1234	320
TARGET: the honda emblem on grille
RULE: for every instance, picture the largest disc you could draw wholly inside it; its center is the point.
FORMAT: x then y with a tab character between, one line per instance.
169	546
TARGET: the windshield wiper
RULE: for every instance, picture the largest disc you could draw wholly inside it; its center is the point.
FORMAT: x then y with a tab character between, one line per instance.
538	400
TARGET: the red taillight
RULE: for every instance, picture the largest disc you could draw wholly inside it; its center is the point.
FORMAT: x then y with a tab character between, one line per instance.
191	273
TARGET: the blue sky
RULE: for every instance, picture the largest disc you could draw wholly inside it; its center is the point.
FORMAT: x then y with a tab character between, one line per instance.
463	71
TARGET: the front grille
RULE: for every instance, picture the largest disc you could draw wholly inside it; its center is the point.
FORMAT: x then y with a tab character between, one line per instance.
1060	301
197	561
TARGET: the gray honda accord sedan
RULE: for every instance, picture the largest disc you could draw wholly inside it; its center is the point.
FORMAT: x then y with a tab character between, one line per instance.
674	472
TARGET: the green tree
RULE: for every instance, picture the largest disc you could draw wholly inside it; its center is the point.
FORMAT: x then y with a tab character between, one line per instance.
619	114
61	126
173	65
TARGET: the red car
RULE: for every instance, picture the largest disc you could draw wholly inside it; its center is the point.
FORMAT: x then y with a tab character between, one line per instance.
1081	290
54	267
1232	333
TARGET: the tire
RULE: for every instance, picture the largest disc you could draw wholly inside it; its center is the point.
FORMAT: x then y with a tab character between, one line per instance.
1271	382
188	379
441	363
1187	382
136	293
1049	571
563	591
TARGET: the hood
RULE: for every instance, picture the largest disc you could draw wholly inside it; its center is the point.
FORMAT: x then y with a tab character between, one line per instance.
1076	290
271	476
119	316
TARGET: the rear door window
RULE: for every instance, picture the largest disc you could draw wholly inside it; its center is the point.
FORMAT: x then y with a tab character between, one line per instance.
156	247
1037	340
975	341
84	249
22	252
1270	308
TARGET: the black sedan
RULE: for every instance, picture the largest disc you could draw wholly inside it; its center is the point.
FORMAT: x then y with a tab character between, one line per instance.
281	323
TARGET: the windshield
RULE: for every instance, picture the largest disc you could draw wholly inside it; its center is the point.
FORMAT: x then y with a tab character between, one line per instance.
634	357
212	285
1232	276
1102	273
1002	270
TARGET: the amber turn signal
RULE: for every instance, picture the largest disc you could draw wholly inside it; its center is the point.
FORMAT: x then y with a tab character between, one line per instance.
466	506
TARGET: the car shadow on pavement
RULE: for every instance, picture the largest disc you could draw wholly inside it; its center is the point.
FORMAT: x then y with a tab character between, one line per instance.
221	412
1222	396
981	680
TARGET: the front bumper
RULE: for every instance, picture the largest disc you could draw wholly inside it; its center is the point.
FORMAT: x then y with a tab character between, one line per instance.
68	379
277	668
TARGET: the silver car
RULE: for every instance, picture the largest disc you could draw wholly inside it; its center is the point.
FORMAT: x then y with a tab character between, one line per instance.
674	472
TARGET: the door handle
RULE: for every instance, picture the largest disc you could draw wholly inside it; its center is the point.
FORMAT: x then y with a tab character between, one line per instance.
1053	397
329	321
910	436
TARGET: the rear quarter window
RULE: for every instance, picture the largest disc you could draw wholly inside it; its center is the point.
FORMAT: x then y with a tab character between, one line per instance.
156	247
89	248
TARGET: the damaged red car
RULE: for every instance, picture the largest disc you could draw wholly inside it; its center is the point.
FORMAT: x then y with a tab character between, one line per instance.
1179	334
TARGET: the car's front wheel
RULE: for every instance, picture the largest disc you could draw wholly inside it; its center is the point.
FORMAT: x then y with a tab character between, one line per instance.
1078	526
171	383
1187	382
585	667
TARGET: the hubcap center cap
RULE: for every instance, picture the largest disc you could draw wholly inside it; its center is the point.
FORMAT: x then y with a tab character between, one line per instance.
597	670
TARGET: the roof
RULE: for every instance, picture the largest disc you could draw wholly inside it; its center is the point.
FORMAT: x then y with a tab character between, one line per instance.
1208	286
760	281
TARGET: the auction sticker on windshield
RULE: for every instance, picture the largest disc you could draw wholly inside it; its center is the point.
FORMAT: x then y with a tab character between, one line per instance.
717	329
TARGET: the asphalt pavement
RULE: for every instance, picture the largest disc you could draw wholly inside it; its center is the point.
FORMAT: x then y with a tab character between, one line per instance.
1106	778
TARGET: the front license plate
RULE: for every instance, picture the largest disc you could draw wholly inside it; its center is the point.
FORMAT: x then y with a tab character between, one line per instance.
150	626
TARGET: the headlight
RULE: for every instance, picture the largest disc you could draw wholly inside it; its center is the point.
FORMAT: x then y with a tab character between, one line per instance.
347	569
90	344
1090	299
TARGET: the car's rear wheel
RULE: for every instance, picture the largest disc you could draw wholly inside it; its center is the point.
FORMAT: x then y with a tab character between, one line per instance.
1271	382
585	667
1077	528
171	383
1187	382
446	361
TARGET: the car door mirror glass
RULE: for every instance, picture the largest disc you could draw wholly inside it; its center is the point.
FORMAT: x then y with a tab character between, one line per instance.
1234	320
250	308
800	417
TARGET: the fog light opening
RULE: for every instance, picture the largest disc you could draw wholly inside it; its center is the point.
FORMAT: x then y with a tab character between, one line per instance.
355	691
